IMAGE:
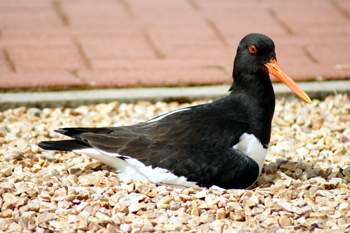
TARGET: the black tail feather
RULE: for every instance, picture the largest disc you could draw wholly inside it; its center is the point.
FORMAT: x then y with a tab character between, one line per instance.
66	145
75	132
69	145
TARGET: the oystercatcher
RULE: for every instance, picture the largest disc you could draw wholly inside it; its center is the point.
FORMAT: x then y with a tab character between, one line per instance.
223	143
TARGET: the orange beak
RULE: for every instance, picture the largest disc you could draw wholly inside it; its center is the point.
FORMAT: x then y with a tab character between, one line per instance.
277	71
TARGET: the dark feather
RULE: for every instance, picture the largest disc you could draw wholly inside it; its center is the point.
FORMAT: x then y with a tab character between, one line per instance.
66	145
180	142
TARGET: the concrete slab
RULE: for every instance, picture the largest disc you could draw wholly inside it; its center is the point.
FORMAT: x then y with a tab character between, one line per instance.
316	90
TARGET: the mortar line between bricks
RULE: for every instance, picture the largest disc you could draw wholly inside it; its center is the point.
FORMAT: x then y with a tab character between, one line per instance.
309	55
9	60
217	32
155	49
341	10
210	23
149	40
128	8
283	25
58	8
194	4
82	54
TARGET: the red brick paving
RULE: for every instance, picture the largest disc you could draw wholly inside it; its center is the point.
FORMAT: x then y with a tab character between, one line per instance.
39	80
60	44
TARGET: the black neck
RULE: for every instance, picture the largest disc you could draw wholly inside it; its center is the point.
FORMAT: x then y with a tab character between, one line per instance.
256	96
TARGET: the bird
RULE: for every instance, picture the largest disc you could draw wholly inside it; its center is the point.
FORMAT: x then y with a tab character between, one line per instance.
221	143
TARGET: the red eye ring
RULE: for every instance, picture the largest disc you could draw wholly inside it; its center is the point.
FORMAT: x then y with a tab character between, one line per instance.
252	49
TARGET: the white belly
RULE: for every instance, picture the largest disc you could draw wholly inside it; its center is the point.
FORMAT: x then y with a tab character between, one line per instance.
252	147
132	168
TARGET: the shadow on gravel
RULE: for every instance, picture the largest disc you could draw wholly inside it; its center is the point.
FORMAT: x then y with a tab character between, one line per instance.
303	170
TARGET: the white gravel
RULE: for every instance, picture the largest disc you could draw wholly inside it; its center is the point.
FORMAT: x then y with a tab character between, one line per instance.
304	186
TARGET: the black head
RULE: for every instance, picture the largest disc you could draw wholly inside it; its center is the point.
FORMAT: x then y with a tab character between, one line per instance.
255	59
254	51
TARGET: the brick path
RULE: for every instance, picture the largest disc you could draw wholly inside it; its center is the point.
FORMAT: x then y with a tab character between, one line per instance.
60	44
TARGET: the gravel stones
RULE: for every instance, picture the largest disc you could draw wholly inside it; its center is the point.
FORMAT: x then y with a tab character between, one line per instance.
304	185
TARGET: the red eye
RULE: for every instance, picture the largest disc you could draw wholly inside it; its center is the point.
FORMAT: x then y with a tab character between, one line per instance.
252	49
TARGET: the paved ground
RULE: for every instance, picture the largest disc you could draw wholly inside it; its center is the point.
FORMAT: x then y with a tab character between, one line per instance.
68	44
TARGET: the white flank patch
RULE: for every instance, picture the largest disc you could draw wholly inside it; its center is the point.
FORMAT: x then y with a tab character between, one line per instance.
132	168
167	114
252	147
160	175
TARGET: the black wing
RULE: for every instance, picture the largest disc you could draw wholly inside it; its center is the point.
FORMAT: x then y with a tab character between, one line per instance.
195	143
